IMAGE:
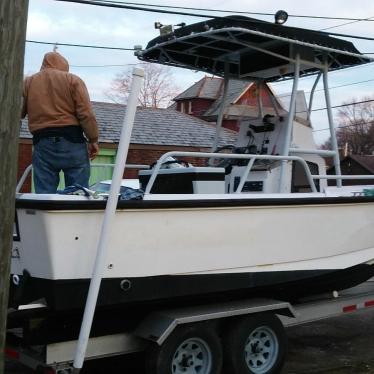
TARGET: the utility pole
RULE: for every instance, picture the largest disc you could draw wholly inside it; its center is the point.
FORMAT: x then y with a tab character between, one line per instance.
13	20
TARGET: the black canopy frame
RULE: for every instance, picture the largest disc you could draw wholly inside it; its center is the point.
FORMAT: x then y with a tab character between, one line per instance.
253	49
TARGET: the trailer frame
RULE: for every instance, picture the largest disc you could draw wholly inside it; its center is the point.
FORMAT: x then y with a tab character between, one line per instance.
157	326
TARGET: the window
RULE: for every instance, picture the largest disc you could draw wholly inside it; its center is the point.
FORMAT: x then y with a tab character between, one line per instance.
183	109
299	179
190	107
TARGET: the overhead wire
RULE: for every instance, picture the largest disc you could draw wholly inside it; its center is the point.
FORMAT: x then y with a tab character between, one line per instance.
369	64
80	45
342	105
107	66
98	46
230	11
133	64
287	94
345	126
347	23
130	7
112	4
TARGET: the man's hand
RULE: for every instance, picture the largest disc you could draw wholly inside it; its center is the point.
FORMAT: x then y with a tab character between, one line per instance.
93	150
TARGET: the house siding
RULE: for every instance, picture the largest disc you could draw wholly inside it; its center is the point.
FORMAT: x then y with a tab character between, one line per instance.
24	160
351	167
198	106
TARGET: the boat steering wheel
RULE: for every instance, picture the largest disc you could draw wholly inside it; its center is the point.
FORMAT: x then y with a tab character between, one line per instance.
230	149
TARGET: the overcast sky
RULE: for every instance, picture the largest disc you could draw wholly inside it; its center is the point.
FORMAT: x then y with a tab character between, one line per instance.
54	21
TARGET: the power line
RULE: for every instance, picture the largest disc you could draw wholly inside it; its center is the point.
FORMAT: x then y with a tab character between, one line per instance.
120	5
98	46
345	85
132	49
338	106
347	23
342	127
286	94
346	35
80	45
230	11
342	105
124	6
107	66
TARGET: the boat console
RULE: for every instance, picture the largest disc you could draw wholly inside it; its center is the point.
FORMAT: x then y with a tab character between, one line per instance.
186	180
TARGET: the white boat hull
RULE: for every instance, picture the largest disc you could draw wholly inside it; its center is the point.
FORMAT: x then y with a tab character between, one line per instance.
241	238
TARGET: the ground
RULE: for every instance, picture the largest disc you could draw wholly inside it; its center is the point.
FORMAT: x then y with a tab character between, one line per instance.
341	345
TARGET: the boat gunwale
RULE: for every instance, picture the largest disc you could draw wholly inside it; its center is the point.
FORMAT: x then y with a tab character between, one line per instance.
52	205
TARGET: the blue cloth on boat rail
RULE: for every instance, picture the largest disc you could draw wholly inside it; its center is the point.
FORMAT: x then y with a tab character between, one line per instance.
127	193
75	189
131	194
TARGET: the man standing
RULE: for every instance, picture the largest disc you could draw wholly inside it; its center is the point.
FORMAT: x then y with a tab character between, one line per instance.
61	121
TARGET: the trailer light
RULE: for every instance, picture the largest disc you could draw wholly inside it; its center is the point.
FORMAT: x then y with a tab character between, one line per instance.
11	353
350	308
281	17
369	304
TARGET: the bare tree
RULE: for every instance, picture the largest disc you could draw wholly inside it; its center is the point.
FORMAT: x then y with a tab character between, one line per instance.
157	91
355	131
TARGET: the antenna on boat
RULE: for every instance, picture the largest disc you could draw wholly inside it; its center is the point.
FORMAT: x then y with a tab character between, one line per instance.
164	29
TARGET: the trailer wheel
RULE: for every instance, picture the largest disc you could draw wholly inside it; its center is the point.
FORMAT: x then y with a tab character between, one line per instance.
192	349
255	344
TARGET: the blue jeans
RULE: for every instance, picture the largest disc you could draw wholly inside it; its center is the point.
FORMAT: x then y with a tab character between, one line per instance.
51	155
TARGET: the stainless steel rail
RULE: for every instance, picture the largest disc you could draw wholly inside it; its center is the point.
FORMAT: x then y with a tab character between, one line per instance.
230	156
29	168
252	159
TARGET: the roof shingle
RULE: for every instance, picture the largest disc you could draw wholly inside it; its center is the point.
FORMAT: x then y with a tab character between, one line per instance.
153	126
205	88
366	161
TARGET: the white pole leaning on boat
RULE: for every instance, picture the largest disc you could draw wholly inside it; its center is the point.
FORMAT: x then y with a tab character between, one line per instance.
110	210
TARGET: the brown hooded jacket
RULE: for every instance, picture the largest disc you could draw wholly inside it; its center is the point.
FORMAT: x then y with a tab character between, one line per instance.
56	98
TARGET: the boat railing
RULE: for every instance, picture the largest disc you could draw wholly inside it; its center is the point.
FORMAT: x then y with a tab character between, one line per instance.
252	158
28	170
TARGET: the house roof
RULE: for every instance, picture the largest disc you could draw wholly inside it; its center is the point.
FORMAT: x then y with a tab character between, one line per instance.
366	161
153	127
205	88
235	89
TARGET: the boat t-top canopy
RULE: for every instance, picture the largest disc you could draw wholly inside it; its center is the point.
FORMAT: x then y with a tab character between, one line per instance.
251	49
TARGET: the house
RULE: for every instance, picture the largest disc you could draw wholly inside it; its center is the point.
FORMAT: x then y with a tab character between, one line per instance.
156	131
355	165
204	99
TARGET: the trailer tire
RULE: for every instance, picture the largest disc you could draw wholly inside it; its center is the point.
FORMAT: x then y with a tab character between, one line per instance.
193	347
256	344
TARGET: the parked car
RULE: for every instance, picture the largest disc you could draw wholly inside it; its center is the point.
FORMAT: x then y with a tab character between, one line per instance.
104	186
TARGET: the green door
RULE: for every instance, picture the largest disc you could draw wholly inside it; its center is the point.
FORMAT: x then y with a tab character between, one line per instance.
105	156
